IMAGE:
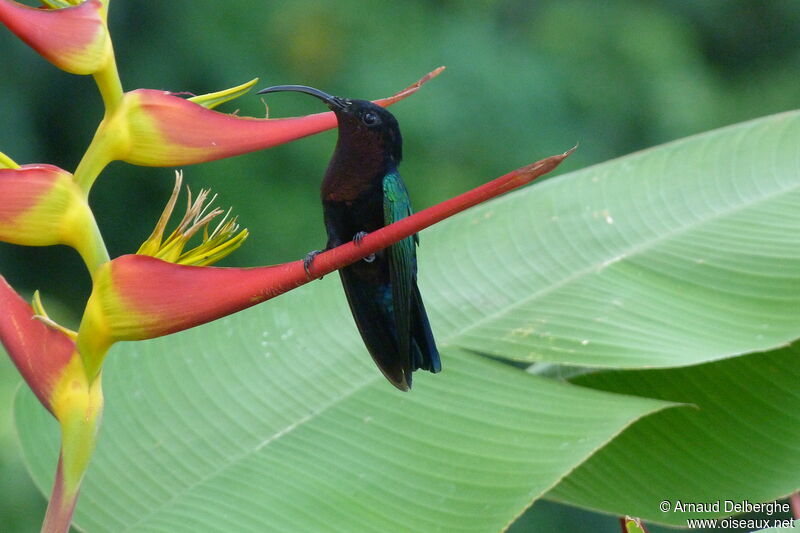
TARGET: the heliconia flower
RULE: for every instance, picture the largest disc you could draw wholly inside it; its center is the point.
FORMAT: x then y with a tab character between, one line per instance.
73	38
137	297
46	356
218	244
159	128
42	206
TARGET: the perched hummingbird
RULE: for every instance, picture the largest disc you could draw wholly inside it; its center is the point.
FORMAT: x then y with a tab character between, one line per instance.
362	191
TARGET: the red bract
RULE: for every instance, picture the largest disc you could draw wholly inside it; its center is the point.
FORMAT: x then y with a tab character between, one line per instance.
35	200
166	130
74	39
22	188
42	206
40	352
159	128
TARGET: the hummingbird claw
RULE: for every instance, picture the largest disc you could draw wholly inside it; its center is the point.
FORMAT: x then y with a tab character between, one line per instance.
357	238
308	259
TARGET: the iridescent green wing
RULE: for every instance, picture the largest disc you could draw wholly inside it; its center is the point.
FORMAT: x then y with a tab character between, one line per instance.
402	259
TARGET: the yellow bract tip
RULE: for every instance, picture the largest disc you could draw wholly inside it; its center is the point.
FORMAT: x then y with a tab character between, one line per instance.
41	315
7	162
58	4
212	100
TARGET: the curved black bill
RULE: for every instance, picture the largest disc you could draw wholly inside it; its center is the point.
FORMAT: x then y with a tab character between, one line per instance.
332	101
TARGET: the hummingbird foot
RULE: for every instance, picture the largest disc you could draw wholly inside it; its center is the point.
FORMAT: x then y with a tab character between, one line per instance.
308	259
357	238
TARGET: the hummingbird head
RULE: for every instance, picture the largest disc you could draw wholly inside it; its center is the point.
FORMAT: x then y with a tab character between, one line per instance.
362	124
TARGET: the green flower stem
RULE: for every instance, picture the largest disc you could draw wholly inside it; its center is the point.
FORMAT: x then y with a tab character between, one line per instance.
78	406
107	78
92	248
58	517
93	349
96	158
109	84
78	439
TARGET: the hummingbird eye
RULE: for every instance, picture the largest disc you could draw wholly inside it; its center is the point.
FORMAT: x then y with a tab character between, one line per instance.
370	119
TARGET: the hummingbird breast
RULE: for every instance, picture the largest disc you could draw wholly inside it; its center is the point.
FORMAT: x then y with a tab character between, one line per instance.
357	167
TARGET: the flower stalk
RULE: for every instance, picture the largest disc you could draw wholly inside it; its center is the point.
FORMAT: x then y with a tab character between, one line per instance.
78	406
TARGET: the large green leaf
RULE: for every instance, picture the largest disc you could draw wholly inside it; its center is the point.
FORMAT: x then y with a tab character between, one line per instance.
676	255
740	443
277	421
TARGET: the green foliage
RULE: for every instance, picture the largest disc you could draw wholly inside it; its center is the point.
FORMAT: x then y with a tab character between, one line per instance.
22	506
738	443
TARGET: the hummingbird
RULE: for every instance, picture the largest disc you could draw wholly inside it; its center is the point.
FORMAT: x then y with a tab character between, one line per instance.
362	191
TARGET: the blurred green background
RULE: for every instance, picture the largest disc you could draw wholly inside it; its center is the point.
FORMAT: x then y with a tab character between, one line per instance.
525	79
